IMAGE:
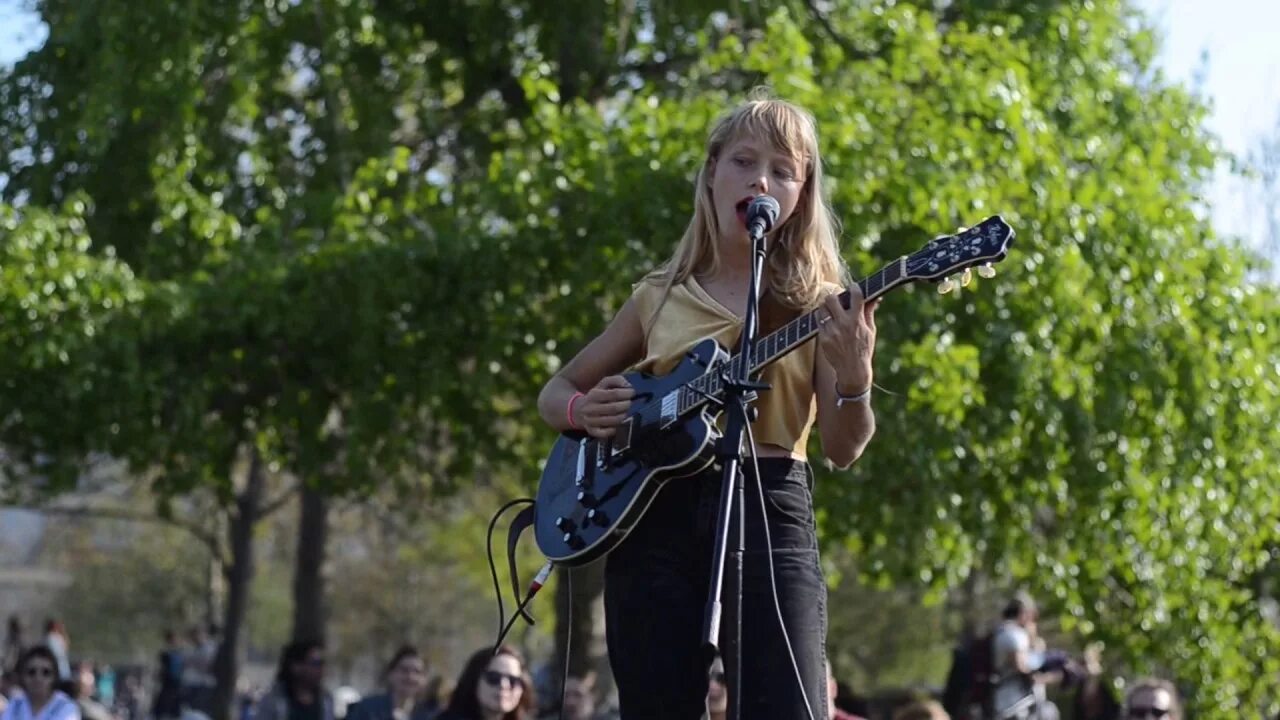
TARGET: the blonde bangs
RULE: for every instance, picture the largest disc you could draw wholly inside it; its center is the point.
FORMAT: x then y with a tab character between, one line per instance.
787	128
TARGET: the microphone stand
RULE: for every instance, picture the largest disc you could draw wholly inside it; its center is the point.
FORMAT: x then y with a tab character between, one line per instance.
739	393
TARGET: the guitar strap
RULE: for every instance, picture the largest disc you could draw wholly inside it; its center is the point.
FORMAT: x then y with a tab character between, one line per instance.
519	524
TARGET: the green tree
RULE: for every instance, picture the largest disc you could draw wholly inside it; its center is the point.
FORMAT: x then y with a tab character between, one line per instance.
351	240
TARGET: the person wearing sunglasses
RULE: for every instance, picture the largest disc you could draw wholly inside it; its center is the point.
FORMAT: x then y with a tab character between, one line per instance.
298	693
40	698
492	686
1153	699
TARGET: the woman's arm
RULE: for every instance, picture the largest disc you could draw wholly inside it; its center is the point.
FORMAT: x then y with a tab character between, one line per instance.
590	381
846	340
846	430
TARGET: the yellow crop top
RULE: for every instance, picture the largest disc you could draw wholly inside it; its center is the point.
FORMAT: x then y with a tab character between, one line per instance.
786	411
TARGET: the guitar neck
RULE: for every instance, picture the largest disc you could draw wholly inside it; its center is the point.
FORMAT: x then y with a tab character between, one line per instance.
778	343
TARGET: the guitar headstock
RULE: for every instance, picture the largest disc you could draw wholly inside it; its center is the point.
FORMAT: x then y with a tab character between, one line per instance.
982	246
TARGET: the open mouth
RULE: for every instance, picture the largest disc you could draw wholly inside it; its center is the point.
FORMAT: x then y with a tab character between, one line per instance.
741	209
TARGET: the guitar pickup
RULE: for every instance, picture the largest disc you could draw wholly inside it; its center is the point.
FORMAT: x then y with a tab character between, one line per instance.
580	474
670	407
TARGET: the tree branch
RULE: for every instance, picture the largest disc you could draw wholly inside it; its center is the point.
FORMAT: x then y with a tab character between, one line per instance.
278	501
850	51
206	537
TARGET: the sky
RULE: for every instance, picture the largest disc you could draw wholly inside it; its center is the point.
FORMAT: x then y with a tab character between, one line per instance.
1235	46
1228	49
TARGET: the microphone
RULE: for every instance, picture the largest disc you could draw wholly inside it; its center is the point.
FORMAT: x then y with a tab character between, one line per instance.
762	213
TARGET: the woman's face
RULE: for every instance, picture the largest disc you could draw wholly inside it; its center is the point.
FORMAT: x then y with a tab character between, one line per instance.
38	678
501	685
747	167
408	677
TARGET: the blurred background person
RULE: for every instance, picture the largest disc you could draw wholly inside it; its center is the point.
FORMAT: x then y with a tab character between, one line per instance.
492	687
1018	660
298	693
1153	699
84	687
129	700
55	638
8	687
1094	697
197	668
405	698
40	697
168	699
12	648
833	691
579	700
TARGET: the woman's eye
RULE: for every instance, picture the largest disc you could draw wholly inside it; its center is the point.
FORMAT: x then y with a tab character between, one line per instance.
741	161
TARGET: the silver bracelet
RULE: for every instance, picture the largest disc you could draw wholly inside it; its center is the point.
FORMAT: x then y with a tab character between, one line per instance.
864	396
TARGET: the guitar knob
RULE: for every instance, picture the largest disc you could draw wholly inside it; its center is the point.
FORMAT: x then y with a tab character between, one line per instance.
564	524
946	286
966	278
598	517
573	541
586	499
986	271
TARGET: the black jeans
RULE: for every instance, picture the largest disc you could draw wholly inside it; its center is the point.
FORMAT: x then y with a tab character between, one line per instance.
656	587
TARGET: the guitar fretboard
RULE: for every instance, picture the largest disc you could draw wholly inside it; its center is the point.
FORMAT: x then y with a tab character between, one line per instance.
785	339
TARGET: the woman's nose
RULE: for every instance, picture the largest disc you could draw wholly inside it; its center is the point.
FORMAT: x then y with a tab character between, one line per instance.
761	184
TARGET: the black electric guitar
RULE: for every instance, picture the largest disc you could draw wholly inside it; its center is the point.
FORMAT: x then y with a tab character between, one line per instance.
592	492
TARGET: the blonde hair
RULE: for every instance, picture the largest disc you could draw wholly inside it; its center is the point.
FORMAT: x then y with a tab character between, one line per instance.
804	256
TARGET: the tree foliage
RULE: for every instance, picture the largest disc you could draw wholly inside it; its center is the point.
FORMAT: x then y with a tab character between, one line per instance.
361	235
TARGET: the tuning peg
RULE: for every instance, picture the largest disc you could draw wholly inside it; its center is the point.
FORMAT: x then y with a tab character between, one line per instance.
946	286
985	270
966	278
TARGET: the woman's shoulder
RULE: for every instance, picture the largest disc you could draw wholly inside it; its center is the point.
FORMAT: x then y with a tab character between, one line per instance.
650	282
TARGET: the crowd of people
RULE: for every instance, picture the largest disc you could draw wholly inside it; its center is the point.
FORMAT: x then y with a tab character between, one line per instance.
1000	675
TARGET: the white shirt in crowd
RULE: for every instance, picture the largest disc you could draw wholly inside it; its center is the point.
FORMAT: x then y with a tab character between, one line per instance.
59	707
1012	687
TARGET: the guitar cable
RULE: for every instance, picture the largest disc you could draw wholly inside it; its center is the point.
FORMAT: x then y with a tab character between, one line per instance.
505	625
773	576
539	580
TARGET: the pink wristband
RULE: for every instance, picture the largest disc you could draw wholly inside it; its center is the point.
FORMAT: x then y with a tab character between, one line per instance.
569	411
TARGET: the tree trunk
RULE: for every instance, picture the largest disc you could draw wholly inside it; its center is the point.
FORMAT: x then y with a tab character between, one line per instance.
582	615
309	608
239	576
215	589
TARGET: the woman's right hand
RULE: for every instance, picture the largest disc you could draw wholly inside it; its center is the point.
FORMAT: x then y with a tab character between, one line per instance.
601	409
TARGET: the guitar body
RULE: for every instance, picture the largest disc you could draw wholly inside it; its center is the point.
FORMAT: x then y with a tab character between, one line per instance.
592	491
